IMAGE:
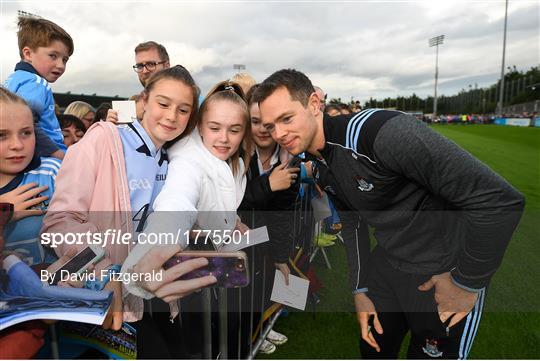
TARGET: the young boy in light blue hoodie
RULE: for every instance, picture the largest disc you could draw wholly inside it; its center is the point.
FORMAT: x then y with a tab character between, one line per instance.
44	48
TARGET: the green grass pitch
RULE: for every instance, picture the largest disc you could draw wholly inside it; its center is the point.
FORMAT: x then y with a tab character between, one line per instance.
510	327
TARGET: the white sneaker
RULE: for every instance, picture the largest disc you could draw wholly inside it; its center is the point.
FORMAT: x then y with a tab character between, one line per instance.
267	347
276	338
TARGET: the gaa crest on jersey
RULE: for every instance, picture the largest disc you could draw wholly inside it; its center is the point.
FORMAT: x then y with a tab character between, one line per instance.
363	185
431	348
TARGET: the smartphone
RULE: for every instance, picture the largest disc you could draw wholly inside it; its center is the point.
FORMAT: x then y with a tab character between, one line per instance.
229	268
294	162
79	263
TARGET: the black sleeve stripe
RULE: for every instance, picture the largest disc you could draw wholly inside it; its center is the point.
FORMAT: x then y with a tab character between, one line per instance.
355	125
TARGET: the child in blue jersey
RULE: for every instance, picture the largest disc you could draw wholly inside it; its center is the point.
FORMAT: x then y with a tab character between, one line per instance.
44	48
118	171
26	180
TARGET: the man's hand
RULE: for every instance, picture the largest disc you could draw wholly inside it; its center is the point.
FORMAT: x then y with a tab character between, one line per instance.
23	198
284	268
364	310
169	288
114	317
452	301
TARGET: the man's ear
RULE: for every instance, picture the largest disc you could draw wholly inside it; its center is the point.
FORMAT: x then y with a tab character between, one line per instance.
313	103
27	54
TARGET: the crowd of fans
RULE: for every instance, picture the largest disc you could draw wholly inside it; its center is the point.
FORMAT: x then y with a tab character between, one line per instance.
60	171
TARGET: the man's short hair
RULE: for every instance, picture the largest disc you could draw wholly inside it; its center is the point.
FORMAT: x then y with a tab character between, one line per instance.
297	83
37	32
162	52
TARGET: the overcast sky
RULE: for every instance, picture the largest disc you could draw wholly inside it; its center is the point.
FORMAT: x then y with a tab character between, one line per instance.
353	48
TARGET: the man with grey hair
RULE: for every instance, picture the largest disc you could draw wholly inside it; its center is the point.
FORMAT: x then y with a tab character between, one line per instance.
322	97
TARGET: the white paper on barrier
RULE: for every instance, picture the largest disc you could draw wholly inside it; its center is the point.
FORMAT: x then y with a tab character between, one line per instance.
252	238
127	111
294	295
321	209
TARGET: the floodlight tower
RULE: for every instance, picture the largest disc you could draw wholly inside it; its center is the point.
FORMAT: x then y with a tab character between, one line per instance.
239	67
501	89
436	41
27	14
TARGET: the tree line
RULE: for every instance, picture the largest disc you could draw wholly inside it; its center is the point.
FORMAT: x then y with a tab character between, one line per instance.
519	87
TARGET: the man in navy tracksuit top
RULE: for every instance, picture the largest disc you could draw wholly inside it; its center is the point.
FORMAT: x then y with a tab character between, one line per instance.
442	219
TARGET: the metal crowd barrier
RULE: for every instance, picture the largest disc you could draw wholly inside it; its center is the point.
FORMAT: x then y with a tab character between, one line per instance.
210	297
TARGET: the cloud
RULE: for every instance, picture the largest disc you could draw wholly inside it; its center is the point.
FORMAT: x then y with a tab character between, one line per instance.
358	49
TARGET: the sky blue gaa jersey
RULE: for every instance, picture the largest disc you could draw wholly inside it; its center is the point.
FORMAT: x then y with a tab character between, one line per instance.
23	236
146	169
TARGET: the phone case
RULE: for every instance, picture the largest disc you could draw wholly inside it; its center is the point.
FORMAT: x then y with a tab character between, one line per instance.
229	268
81	261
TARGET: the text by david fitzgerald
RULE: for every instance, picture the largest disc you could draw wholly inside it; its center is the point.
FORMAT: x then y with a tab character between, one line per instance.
124	277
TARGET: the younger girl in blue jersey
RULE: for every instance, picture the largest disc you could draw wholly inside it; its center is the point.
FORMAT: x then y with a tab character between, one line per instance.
26	180
111	177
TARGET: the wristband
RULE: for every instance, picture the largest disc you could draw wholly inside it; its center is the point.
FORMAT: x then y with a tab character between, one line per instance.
98	285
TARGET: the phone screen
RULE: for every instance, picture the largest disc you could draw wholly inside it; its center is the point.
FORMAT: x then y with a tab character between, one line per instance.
76	263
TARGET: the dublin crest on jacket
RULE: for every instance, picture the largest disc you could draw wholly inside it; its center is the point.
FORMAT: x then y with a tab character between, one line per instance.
363	185
431	348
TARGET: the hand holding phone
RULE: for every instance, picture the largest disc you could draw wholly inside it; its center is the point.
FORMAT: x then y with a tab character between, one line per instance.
78	263
126	111
229	268
169	288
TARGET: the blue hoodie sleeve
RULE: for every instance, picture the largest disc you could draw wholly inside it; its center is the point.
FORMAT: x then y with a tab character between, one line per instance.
38	94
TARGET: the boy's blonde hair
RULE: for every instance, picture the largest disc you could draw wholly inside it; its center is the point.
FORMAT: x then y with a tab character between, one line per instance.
79	109
38	32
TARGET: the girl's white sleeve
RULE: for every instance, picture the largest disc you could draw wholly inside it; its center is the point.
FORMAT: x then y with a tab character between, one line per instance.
175	212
